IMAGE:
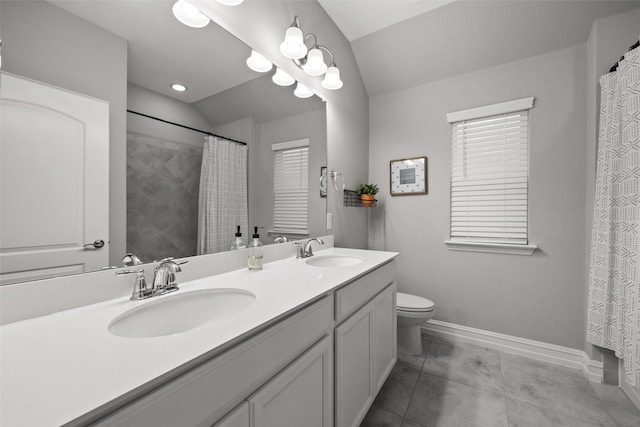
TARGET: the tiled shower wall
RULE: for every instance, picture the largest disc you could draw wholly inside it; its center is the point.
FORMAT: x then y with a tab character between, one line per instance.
163	179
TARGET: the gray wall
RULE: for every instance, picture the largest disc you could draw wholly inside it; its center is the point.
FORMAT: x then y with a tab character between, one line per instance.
540	297
45	43
310	125
262	26
155	104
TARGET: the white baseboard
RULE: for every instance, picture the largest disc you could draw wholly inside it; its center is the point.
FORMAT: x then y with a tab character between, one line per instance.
572	358
632	393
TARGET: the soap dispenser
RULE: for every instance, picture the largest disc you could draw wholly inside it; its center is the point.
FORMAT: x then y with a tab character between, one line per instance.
239	243
255	252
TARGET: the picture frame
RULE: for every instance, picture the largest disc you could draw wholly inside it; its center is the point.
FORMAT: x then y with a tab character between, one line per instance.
323	181
408	176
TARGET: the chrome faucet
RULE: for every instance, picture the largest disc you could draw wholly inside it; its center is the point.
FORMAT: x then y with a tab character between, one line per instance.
164	278
130	260
140	290
304	249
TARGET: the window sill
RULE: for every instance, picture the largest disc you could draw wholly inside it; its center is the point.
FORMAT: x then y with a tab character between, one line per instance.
288	233
496	248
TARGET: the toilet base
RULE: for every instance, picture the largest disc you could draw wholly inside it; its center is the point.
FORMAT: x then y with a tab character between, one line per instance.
409	340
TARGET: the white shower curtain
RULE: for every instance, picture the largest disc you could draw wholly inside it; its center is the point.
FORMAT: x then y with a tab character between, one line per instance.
614	278
223	195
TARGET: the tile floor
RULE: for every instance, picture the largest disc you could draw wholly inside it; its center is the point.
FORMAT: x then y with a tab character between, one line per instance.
456	384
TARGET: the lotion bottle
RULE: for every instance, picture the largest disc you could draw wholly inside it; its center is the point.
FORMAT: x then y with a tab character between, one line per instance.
255	252
239	243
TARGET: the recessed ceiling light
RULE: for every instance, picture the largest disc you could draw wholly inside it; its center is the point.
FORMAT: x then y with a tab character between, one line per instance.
178	87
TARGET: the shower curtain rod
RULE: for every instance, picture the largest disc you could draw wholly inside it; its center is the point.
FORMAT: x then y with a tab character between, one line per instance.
185	127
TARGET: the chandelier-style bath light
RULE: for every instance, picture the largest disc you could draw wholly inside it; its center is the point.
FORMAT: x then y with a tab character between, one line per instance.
311	60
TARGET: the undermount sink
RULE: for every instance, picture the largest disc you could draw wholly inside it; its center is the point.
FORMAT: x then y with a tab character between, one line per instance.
177	313
333	261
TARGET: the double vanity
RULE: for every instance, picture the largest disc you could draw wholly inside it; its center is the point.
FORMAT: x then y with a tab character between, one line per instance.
303	342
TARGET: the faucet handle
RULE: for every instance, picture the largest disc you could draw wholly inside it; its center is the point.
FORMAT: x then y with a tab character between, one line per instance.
140	290
299	249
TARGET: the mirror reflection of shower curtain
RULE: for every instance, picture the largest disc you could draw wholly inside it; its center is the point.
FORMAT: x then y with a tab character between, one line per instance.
223	194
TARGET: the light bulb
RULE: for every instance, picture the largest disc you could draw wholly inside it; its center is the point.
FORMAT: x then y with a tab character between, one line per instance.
230	2
315	65
302	91
281	78
178	87
332	80
293	46
189	15
258	62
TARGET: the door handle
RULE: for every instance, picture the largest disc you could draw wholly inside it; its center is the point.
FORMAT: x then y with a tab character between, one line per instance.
95	245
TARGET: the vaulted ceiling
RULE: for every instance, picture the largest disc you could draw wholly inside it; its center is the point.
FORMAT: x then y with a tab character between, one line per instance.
461	36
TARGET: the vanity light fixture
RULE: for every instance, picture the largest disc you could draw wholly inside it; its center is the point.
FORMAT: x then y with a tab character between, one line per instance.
258	63
302	91
311	60
178	87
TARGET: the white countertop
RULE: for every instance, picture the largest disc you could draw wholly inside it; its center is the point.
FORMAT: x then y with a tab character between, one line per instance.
56	368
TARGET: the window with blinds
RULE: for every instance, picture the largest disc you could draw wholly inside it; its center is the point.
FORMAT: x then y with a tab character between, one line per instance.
489	174
291	187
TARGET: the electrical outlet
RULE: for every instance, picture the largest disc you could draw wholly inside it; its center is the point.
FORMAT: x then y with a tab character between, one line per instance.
329	220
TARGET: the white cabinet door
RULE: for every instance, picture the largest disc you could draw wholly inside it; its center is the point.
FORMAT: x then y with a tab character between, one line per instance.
355	389
365	355
384	335
54	181
237	418
301	395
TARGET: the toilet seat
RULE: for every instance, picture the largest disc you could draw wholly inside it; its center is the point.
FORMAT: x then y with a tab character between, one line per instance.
413	304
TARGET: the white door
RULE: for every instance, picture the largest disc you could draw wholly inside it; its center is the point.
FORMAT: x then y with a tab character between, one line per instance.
54	181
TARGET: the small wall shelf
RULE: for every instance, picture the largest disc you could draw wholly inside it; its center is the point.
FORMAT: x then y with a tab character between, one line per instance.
352	198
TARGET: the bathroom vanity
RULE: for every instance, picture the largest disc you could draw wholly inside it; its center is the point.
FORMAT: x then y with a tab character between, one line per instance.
312	349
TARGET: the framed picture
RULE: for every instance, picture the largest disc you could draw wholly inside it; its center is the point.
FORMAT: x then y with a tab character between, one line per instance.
408	176
323	181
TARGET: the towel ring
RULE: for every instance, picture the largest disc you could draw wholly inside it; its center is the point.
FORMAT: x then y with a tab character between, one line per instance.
335	175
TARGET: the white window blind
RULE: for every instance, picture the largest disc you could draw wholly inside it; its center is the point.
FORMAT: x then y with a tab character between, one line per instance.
291	187
489	178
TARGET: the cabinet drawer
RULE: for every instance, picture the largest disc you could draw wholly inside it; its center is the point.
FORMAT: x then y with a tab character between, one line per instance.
354	295
204	394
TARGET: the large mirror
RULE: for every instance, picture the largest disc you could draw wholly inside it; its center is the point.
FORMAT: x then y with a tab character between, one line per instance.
165	129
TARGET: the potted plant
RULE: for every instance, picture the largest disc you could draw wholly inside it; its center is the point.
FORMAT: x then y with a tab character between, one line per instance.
367	193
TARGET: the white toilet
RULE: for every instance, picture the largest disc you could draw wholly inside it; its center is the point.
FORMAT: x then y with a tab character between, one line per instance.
413	311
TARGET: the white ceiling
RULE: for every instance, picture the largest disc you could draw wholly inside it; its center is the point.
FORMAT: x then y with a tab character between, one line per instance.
466	36
357	18
161	50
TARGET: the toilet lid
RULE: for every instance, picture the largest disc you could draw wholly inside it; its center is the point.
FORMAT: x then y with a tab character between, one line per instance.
408	302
